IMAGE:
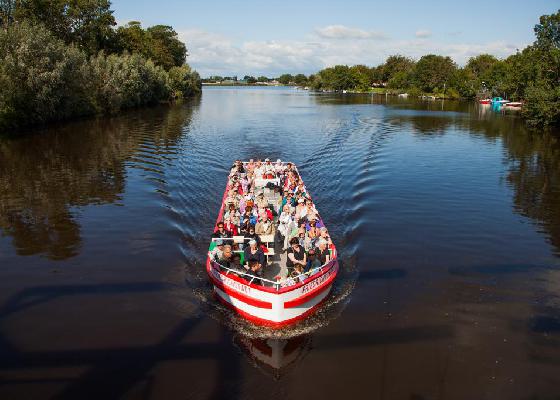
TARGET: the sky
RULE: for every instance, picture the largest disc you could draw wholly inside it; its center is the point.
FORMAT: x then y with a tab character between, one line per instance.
274	37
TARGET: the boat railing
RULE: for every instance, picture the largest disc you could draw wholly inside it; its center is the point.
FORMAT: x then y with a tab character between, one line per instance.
278	283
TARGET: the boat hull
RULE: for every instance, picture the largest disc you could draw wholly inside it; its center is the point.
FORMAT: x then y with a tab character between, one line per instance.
268	306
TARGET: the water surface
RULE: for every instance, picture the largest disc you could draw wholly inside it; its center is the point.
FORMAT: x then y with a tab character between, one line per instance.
446	216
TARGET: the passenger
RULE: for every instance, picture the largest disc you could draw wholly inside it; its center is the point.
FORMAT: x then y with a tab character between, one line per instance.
261	202
269	170
297	259
255	270
245	226
236	263
313	262
216	253
250	166
301	210
249	216
254	254
304	241
279	168
226	258
284	220
220	231
312	231
230	227
259	170
323	252
252	235
265	227
233	215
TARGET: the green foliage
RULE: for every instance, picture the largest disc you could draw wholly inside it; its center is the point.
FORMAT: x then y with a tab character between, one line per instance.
286	79
339	77
250	79
542	106
393	65
159	43
362	74
43	79
183	82
433	72
86	23
300	79
262	79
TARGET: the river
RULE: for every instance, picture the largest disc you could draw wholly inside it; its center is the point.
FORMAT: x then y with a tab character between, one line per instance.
446	216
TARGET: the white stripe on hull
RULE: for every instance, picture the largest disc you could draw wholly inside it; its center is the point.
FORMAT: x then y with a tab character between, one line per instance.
278	313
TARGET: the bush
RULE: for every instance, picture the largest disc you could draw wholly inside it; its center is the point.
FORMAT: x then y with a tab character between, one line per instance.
542	107
42	79
127	81
183	82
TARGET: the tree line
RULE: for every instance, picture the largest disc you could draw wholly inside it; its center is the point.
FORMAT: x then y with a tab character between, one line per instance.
61	59
531	75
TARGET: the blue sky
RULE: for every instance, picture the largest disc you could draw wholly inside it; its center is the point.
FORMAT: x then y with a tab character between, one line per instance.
256	37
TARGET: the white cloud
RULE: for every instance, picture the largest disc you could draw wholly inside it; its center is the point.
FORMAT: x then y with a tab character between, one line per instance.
344	32
215	54
423	33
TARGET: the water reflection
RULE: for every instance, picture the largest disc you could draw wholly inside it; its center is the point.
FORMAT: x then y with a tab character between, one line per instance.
45	178
274	356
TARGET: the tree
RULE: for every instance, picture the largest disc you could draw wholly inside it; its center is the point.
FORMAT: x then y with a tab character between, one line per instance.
87	23
363	76
249	79
286	79
262	78
166	48
481	65
433	72
395	64
159	43
300	80
7	9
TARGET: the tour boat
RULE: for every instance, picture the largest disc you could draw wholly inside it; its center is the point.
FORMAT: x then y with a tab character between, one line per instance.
276	301
485	101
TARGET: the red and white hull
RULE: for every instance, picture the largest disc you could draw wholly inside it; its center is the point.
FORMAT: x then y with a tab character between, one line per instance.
274	307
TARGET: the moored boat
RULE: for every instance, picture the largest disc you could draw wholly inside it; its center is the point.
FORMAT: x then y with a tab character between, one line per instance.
499	100
514	104
276	292
484	101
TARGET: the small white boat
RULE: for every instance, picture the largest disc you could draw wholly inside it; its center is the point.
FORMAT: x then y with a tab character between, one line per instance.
270	302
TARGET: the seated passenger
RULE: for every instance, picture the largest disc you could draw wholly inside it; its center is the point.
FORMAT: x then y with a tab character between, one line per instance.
253	254
245	226
225	259
230	227
269	170
249	216
236	263
233	215
312	230
220	231
323	252
252	235
261	202
217	252
264	226
297	259
313	262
